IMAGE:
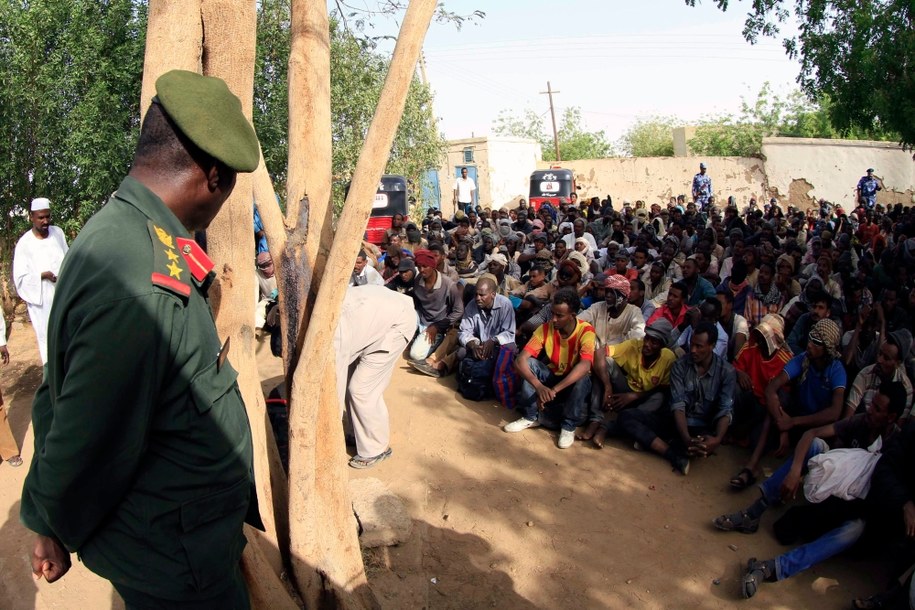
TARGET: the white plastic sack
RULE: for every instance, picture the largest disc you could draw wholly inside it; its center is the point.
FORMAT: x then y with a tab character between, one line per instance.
843	473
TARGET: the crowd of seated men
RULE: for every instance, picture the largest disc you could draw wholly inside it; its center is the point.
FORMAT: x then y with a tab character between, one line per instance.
681	328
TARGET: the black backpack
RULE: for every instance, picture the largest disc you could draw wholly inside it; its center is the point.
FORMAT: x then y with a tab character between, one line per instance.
474	378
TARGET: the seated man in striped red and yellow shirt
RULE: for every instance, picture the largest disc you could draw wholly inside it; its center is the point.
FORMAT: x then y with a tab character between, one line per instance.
555	369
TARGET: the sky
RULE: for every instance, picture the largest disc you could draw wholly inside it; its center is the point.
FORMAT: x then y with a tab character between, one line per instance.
616	61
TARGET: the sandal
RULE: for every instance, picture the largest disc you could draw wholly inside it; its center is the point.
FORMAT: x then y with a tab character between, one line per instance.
743	479
15	461
737	522
361	463
757	573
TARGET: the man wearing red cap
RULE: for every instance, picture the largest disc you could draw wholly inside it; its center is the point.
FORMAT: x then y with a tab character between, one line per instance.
439	306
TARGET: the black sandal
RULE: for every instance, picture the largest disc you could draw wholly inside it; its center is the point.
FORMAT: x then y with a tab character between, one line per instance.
737	522
743	479
757	573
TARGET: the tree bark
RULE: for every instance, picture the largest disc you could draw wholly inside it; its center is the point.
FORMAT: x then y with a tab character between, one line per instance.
323	530
174	40
308	194
229	35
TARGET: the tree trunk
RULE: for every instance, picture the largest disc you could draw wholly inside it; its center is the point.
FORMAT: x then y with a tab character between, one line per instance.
229	29
174	40
327	537
323	545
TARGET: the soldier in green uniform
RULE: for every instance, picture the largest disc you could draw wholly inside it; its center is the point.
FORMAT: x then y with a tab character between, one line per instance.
143	456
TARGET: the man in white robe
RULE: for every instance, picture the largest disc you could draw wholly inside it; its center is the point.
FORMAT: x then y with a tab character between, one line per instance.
36	263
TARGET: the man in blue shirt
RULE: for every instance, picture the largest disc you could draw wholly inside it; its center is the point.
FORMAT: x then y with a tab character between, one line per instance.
488	324
819	386
867	188
702	390
702	187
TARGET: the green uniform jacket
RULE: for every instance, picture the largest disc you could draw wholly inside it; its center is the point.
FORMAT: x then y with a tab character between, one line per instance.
143	458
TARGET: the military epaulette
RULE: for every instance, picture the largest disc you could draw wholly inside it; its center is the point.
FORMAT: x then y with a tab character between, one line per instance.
169	270
196	259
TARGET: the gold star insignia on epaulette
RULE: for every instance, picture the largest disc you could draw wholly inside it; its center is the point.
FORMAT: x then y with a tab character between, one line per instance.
174	270
171	255
164	237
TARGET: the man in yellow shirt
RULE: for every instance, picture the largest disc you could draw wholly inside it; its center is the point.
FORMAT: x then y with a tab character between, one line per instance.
635	374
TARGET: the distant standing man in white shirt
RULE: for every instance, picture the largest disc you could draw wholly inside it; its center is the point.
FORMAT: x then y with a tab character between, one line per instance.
36	263
464	190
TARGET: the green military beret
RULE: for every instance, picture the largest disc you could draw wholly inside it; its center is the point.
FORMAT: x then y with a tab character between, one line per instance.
210	115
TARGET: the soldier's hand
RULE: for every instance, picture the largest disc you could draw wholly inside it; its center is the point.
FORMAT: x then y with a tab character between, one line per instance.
49	559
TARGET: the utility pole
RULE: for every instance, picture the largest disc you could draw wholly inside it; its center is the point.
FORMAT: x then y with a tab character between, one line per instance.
549	91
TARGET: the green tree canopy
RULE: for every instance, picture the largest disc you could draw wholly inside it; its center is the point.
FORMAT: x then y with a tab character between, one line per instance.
358	71
741	135
649	137
71	73
575	142
859	55
69	106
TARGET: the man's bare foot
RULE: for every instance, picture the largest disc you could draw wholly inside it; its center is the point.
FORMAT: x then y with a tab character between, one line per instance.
599	438
588	432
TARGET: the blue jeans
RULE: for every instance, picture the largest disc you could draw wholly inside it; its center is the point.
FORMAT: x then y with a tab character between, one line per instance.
821	549
771	487
572	399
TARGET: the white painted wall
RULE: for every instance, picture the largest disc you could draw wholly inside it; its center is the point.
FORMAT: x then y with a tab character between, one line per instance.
806	170
511	161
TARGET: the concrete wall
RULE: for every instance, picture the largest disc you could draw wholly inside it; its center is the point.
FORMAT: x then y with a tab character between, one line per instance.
682	136
657	179
511	162
503	164
804	170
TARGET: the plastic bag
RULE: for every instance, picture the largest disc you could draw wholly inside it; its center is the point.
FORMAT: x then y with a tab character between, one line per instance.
843	473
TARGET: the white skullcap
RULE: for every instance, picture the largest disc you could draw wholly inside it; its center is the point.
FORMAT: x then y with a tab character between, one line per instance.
41	203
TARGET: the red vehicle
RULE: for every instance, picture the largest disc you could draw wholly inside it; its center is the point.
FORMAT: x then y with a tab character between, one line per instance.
390	199
555	185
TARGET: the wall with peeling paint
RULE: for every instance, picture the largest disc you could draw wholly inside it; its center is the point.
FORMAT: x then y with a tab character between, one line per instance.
803	170
797	171
657	179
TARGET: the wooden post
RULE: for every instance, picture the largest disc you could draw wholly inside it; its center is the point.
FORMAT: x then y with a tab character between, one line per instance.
318	494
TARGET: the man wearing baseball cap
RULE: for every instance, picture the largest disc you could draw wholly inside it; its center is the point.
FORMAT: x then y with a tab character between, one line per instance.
143	457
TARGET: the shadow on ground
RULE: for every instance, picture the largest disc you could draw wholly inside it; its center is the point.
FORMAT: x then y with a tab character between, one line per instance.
585	528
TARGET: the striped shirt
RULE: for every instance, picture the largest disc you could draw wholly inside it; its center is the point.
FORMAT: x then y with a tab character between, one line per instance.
563	354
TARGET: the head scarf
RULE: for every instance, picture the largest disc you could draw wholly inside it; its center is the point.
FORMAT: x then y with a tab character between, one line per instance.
579	259
772	328
587	249
787	258
424	258
827	333
619	283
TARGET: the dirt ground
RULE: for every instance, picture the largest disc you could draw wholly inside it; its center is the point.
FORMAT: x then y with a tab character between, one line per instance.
500	521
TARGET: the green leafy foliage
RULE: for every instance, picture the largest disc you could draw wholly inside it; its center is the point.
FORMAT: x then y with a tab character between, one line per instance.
70	76
575	142
649	137
771	115
357	75
856	54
